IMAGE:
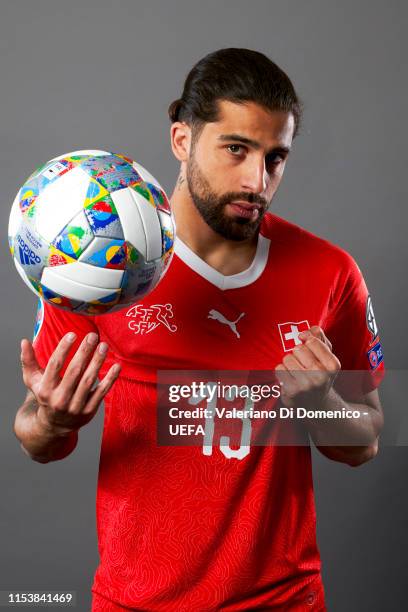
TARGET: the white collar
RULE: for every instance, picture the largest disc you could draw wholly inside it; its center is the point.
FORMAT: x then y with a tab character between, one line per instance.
233	281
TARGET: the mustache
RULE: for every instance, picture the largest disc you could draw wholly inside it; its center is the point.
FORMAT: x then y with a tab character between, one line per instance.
251	198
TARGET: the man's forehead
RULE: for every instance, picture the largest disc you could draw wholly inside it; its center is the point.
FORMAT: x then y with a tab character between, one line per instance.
254	122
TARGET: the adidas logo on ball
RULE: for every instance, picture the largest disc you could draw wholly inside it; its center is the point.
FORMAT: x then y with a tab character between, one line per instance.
27	255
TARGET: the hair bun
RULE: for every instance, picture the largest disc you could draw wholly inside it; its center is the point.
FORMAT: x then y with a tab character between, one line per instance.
174	110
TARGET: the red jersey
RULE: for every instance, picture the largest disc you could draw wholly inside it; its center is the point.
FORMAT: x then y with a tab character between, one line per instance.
180	529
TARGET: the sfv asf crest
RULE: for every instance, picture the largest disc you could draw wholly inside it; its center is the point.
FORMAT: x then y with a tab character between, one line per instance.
144	319
289	333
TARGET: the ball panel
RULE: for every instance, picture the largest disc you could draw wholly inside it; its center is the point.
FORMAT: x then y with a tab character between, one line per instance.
167	227
130	219
151	189
30	250
75	236
14	221
96	307
60	284
61	301
82	153
167	260
49	173
60	202
138	281
53	171
87	275
66	163
25	278
39	318
151	225
35	284
58	258
125	157
145	174
142	188
95	192
158	273
111	171
133	257
28	196
104	219
105	253
159	197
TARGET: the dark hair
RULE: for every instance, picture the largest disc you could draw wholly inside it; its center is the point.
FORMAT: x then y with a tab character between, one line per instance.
236	75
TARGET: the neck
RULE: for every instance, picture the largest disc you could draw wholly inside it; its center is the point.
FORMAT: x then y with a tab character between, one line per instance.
226	256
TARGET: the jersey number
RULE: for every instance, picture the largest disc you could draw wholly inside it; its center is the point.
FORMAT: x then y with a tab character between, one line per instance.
225	448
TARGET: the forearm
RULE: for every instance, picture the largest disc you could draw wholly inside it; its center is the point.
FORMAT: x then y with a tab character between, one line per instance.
39	440
362	430
352	455
348	440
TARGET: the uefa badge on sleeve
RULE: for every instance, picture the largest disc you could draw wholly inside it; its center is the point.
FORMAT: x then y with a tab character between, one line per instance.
375	356
370	318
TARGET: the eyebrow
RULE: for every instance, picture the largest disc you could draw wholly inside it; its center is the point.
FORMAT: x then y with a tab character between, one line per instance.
253	143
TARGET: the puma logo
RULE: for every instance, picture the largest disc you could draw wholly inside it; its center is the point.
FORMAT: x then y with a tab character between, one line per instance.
214	314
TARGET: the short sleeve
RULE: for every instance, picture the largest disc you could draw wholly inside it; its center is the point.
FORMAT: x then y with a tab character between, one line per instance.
352	329
52	324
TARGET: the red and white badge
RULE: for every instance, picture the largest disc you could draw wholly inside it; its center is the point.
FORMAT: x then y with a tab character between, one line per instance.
289	333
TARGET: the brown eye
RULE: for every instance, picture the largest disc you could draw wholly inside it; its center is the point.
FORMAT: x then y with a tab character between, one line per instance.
234	149
271	161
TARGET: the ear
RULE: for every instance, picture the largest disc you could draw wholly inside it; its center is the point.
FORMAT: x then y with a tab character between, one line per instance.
180	138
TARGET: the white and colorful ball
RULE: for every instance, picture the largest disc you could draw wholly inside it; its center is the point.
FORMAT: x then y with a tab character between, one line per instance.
91	231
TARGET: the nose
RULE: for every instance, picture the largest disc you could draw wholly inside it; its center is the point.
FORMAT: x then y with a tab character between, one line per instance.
255	176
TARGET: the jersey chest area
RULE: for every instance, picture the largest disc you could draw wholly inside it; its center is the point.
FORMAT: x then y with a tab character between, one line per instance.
188	322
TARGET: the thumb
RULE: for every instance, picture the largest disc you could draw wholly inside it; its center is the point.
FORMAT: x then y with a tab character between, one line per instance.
32	373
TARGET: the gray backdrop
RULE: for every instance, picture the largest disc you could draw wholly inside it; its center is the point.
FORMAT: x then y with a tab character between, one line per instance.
99	74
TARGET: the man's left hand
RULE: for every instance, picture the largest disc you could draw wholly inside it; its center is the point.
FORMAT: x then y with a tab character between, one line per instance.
306	375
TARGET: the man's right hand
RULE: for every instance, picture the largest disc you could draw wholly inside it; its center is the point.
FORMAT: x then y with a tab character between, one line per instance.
67	403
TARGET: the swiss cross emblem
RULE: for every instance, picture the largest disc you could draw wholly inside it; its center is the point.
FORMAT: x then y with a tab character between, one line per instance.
289	333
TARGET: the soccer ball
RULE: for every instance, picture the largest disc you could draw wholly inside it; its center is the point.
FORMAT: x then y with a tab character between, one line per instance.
91	232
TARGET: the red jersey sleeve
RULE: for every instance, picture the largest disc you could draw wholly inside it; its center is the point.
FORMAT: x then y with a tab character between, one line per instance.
352	328
52	324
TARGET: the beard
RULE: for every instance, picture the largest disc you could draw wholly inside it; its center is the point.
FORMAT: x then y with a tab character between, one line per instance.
211	206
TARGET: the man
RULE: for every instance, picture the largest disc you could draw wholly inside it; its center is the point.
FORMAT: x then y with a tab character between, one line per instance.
214	527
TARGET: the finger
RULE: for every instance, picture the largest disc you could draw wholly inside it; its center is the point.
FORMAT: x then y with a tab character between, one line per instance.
323	353
32	373
55	363
102	389
297	371
286	381
291	362
315	373
306	357
283	376
77	366
317	332
88	379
